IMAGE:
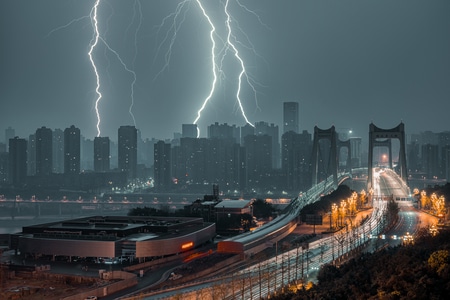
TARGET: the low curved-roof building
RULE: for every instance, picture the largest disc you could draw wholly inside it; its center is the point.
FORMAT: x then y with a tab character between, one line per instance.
114	236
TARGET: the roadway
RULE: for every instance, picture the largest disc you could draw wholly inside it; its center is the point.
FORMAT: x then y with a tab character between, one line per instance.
301	263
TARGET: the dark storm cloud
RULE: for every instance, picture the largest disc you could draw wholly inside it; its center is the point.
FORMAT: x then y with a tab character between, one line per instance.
348	63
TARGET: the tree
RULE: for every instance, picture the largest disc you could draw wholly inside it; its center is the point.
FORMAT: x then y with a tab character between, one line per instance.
392	211
246	222
262	209
439	261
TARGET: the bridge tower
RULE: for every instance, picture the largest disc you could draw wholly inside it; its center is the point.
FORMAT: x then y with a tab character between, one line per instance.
388	144
345	144
387	134
328	134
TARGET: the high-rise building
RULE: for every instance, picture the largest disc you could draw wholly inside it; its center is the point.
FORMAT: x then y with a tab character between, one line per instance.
31	155
4	167
413	163
430	160
296	159
246	130
87	154
355	150
262	128
10	133
127	150
223	131
162	159
101	154
72	150
58	151
258	150
17	161
189	130
44	151
447	164
290	117
444	144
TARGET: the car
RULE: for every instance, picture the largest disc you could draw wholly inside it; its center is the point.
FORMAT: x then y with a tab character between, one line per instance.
91	298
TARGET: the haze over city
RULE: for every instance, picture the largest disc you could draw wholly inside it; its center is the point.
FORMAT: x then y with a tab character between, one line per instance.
347	63
244	149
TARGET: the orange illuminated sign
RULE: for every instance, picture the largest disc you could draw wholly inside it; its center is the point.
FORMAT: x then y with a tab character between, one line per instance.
187	245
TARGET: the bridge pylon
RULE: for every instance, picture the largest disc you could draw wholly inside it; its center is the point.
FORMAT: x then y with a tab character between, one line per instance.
345	144
382	137
327	134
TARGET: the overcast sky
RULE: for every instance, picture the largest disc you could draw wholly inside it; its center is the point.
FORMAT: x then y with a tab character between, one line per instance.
348	63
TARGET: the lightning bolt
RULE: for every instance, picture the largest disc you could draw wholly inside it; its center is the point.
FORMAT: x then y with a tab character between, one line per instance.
93	44
174	27
243	71
218	53
128	70
66	25
213	62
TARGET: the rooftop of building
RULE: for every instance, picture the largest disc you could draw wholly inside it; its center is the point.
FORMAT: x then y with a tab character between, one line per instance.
233	203
137	228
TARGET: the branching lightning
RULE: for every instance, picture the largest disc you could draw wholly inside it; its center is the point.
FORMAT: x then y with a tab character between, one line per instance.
218	54
128	70
241	62
214	66
94	42
67	25
222	43
174	28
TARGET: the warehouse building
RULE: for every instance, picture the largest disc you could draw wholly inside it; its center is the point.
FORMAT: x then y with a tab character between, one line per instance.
113	238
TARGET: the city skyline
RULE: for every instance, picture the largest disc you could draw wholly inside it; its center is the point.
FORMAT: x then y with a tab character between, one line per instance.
347	64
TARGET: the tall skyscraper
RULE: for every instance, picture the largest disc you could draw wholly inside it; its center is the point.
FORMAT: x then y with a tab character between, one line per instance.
262	128
246	130
58	151
101	154
430	160
10	133
296	155
290	117
127	150
17	161
223	131
72	150
44	151
189	130
162	159
31	155
445	162
258	150
355	150
4	166
87	154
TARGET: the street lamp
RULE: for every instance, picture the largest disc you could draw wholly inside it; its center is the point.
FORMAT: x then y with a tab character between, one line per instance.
408	239
433	230
334	213
342	211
